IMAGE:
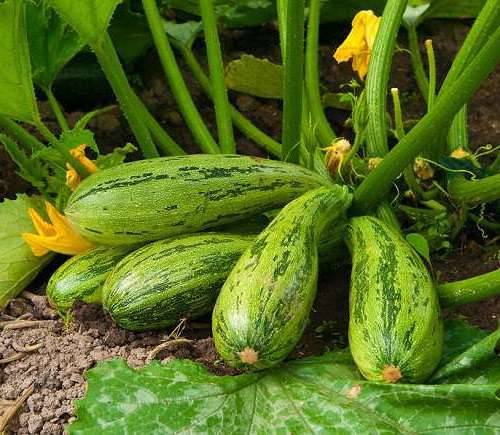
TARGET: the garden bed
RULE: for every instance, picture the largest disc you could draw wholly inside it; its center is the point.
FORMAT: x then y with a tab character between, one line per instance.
55	370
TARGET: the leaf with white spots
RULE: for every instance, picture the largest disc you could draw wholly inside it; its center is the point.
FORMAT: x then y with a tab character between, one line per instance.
322	394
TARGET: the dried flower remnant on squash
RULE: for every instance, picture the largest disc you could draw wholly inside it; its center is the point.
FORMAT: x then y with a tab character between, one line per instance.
336	154
56	235
423	170
359	43
391	374
249	356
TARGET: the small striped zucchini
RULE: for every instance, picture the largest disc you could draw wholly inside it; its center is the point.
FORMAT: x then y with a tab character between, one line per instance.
154	199
395	326
264	305
165	281
81	277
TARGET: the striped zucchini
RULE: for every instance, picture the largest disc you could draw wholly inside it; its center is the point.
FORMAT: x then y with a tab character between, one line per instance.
264	305
154	199
165	281
395	326
81	277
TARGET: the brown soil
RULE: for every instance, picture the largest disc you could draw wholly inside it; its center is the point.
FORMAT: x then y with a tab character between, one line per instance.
55	370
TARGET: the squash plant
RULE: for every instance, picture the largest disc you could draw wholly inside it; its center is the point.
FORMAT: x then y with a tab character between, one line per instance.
323	183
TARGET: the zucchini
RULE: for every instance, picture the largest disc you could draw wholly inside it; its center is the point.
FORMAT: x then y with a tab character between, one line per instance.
395	325
264	305
165	281
154	199
81	277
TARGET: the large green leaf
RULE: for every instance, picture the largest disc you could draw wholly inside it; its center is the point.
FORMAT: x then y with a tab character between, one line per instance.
52	42
314	395
18	266
89	18
17	98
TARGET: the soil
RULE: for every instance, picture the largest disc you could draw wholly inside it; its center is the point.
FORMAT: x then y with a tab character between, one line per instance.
55	369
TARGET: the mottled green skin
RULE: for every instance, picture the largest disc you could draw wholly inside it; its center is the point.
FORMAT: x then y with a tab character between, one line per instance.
165	281
395	318
265	302
81	277
154	199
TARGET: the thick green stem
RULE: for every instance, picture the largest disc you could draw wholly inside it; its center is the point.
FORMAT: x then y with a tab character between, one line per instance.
416	61
17	132
470	290
378	183
177	84
324	131
243	123
379	72
163	140
293	81
61	148
475	191
216	69
112	68
56	109
486	23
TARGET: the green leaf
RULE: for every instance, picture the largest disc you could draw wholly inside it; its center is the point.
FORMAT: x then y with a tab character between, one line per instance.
130	33
115	158
254	76
420	245
17	97
89	18
18	266
314	395
52	42
183	35
72	138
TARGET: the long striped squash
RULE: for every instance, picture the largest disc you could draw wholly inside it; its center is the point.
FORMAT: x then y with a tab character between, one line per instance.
81	277
395	326
154	199
165	281
264	305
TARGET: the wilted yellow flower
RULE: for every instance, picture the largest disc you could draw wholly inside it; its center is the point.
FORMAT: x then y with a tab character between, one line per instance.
73	179
57	236
335	155
423	170
460	153
374	162
359	43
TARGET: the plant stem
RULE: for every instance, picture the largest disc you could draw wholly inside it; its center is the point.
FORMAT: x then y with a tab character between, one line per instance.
431	60
398	115
378	77
486	23
56	109
216	70
243	123
177	84
63	150
378	183
110	64
470	290
14	130
324	131
293	81
416	61
386	214
475	191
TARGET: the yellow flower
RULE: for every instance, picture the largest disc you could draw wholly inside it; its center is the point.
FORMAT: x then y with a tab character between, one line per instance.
359	43
73	179
460	153
335	155
57	236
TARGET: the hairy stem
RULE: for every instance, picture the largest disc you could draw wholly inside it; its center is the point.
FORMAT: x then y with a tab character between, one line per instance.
324	131
216	69
177	84
416	61
475	191
17	132
56	109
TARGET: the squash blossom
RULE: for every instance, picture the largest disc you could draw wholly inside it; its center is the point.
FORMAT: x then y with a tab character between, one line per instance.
359	43
73	178
57	236
335	155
